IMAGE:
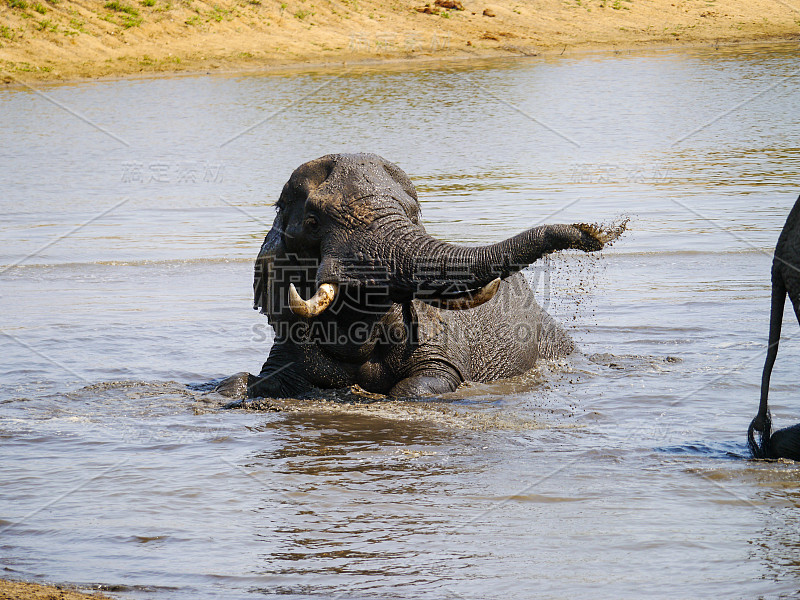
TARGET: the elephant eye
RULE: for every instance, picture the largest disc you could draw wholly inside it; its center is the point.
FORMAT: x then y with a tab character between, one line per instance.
311	223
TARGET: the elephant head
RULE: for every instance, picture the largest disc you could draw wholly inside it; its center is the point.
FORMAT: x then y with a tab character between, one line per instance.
348	225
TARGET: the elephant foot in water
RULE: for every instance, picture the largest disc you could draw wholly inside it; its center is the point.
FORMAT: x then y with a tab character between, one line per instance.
236	386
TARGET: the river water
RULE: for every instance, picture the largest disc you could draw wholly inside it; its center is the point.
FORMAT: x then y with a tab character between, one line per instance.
132	212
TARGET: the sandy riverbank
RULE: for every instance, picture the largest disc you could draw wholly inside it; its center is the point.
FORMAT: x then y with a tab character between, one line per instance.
68	39
17	590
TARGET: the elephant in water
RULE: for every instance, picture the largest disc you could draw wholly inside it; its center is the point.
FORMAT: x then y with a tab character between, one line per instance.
390	308
784	443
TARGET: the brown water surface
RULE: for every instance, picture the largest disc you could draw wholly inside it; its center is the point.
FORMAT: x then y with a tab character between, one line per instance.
132	211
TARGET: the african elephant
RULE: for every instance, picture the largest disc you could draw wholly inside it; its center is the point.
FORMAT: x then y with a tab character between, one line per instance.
391	308
784	443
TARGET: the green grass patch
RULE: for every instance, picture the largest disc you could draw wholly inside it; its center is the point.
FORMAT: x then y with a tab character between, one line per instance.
77	25
25	67
218	13
128	21
39	8
148	2
20	4
46	25
121	7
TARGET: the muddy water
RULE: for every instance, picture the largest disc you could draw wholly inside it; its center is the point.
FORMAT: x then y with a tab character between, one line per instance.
132	211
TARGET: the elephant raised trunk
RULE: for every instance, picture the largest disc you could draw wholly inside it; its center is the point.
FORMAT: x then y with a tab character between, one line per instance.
442	273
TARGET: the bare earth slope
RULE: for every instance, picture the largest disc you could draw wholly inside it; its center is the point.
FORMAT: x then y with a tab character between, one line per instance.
57	39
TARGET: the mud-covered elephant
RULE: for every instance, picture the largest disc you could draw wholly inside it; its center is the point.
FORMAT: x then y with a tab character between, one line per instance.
784	443
389	307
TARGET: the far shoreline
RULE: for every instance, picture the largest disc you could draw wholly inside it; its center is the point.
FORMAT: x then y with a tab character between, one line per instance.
279	67
67	40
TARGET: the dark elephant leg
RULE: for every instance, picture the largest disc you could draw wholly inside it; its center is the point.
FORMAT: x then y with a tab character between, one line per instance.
428	382
785	443
234	386
762	423
264	385
280	377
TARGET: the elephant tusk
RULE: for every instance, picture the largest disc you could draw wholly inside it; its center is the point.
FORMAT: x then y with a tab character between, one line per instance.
483	295
316	304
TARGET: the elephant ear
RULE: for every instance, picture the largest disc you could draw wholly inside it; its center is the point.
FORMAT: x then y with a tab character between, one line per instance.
270	249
